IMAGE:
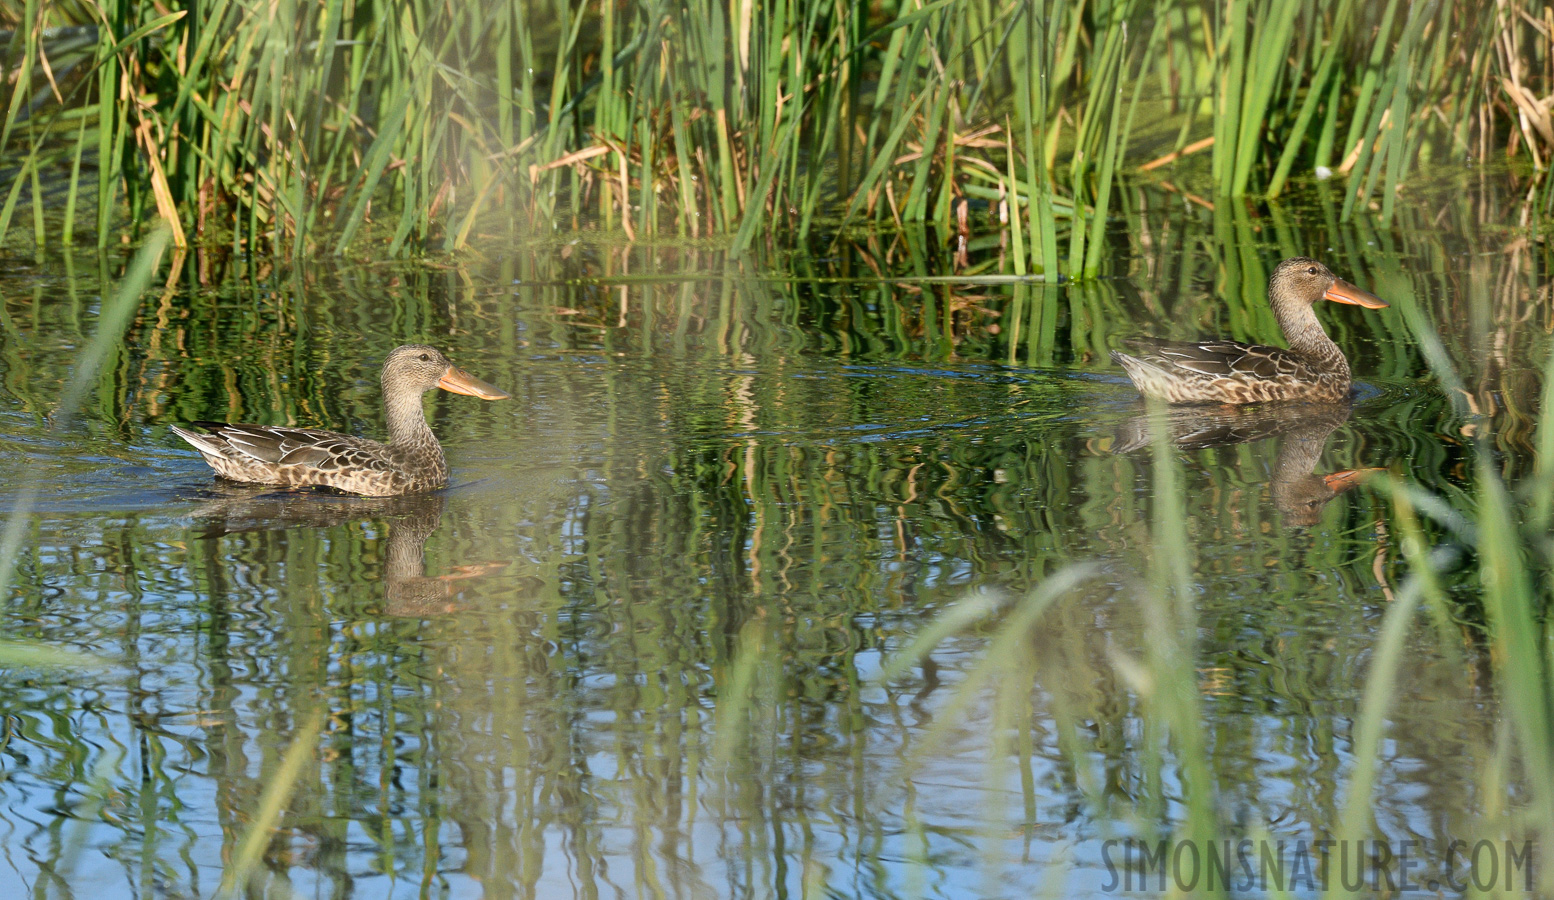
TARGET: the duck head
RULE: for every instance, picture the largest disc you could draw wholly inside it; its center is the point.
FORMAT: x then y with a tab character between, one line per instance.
1307	280
418	368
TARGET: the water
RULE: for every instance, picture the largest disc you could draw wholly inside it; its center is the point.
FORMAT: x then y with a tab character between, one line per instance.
639	647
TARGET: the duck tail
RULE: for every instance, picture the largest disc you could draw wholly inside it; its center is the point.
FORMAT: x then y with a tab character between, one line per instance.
206	444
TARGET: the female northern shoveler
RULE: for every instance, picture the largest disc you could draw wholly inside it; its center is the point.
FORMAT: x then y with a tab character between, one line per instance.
411	461
1313	369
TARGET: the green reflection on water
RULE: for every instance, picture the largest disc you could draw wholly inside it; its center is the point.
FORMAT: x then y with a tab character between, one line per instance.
636	648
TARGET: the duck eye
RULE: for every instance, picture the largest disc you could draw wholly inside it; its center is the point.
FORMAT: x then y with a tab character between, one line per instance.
425	358
1310	271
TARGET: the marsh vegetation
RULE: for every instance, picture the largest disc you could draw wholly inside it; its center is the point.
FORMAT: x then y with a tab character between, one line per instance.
350	126
822	551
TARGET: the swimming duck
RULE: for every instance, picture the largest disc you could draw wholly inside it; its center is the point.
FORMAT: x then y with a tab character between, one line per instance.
411	461
1313	369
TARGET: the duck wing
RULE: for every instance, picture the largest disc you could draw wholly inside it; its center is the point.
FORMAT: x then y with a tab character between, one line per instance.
280	446
1221	358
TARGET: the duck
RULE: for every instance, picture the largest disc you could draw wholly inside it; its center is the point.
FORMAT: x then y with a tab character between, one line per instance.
411	462
1312	370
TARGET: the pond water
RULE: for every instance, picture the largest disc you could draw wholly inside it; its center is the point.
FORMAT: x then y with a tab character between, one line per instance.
644	645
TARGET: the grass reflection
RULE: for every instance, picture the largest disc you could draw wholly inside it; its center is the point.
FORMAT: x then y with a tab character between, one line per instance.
785	585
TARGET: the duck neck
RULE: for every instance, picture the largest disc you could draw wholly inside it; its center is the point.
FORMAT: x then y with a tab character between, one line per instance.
406	558
1305	334
406	419
1299	452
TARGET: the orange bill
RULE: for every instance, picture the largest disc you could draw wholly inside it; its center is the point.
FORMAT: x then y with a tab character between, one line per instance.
1342	291
461	382
1338	482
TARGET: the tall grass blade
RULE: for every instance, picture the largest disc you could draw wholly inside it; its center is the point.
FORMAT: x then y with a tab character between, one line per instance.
111	323
279	786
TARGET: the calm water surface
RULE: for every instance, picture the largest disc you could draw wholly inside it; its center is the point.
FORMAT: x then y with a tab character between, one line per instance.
639	647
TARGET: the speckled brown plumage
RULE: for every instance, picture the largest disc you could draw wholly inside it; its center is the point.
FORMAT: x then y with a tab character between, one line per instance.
410	462
1313	369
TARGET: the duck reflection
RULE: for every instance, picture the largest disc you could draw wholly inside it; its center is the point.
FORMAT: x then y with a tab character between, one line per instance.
1298	491
411	520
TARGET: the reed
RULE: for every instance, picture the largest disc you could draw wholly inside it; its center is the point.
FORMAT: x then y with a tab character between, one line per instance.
1508	545
282	777
744	624
116	316
353	126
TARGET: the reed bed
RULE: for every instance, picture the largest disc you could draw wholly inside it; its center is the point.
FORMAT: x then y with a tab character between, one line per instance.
348	126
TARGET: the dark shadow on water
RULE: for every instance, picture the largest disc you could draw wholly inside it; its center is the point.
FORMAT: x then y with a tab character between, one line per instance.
1302	431
229	508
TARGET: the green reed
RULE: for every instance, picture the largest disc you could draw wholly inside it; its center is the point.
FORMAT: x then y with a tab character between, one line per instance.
760	524
395	129
1513	559
282	778
115	319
